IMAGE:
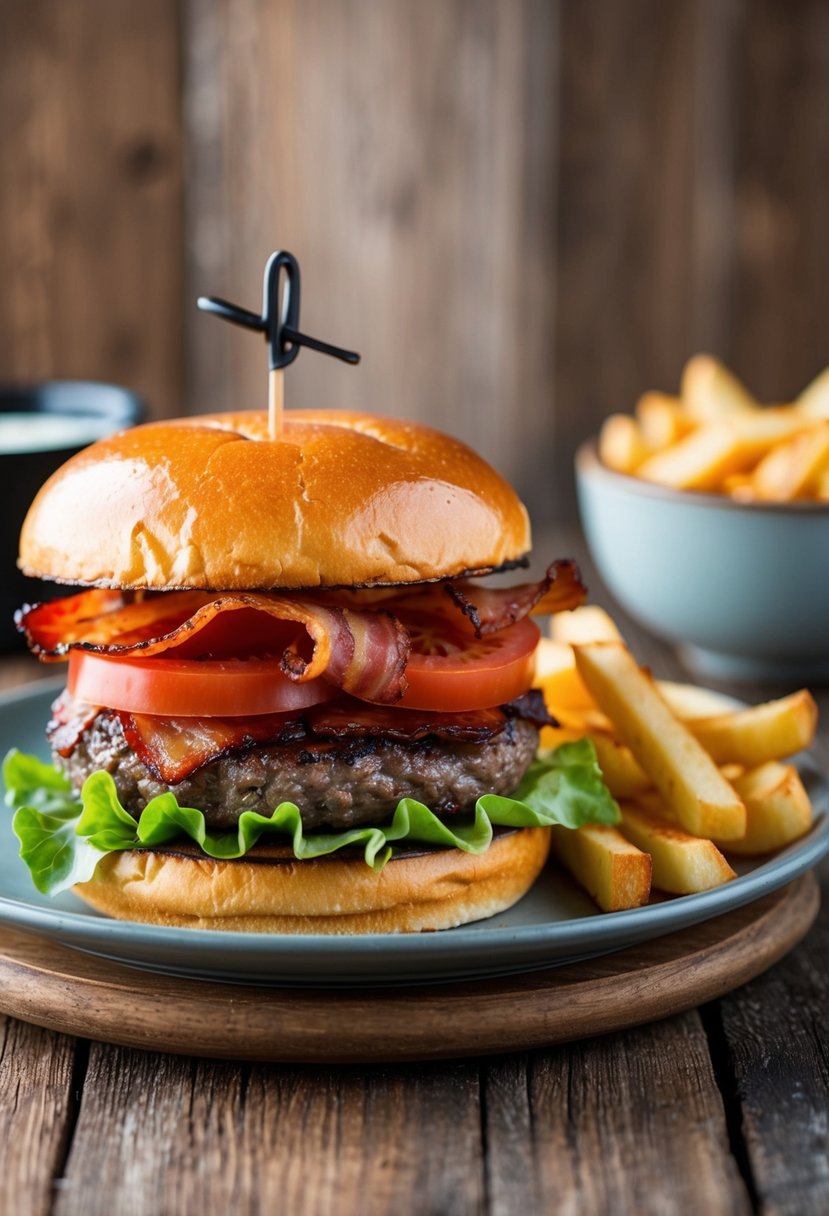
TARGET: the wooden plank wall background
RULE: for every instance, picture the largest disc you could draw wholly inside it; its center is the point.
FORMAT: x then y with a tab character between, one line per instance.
522	212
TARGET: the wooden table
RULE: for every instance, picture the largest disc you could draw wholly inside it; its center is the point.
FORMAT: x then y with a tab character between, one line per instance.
723	1109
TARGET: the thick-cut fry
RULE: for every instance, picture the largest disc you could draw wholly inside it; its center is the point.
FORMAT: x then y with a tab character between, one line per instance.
703	459
793	469
562	686
710	391
590	623
739	486
662	420
777	805
683	773
687	701
613	871
551	657
682	864
814	400
763	732
621	445
623	775
715	437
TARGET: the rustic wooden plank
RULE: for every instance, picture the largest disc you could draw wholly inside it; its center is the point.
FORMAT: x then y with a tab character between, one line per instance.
161	1134
625	210
776	1030
629	1124
36	1114
782	196
406	153
90	160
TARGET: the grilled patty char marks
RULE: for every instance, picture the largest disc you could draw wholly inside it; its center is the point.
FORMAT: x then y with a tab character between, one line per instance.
336	784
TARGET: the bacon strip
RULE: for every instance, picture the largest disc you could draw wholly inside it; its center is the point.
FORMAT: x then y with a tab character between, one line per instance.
70	718
364	653
173	748
493	608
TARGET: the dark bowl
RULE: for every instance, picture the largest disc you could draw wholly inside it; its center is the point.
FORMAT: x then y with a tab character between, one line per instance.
41	426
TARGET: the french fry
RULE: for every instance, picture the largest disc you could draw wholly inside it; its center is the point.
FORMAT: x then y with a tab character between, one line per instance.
662	420
814	400
739	486
613	871
709	391
778	809
587	624
679	767
682	864
687	701
712	453
793	469
621	444
622	772
560	683
716	437
762	732
623	775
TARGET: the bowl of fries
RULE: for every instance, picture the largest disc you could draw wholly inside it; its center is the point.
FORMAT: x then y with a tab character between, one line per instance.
707	516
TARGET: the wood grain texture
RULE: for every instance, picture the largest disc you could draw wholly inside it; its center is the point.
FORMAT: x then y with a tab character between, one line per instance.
90	160
632	1123
625	210
160	1134
776	1033
36	1114
781	288
406	154
48	984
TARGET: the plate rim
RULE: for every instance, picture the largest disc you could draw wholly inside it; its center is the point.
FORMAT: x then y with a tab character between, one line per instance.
595	934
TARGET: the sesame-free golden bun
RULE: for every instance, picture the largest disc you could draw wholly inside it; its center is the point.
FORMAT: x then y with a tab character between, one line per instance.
270	892
343	499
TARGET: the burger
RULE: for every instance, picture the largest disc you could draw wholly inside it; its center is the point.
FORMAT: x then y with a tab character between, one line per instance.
291	704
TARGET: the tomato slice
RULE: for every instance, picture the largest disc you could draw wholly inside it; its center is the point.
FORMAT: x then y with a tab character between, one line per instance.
452	670
449	670
205	688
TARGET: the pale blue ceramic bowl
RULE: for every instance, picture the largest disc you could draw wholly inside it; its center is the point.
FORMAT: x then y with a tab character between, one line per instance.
741	588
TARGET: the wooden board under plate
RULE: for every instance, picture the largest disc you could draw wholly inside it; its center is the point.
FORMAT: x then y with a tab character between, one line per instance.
78	994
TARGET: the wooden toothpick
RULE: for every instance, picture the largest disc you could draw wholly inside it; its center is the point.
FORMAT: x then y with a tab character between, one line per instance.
276	401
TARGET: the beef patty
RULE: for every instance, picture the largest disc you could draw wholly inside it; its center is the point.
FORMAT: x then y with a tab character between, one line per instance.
336	785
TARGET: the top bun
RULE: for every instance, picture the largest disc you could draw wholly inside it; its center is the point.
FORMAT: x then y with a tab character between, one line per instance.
343	499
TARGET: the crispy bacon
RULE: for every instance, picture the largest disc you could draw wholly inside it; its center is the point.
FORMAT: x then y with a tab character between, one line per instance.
364	653
173	748
530	707
493	608
70	718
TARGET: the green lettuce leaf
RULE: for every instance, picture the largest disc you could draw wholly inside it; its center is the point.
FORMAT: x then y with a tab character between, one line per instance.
62	838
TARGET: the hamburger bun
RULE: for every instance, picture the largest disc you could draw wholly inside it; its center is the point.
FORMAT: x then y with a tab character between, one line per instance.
343	500
268	891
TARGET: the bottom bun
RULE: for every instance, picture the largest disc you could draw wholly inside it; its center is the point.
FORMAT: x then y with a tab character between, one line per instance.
268	891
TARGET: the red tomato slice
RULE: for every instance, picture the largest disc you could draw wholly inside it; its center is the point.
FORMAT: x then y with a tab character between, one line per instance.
452	670
206	688
449	670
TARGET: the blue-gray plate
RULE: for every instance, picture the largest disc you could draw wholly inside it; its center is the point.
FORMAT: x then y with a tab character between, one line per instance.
555	923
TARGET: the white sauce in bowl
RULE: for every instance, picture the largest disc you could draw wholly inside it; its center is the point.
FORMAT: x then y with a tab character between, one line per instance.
36	432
